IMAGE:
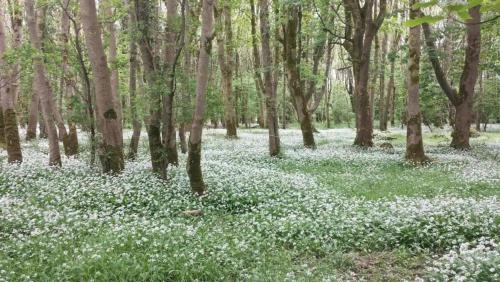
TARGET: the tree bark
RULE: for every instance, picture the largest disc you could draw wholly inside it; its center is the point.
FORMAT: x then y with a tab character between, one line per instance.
41	83
171	49
414	144
259	84
194	153
132	83
225	55
382	108
71	139
144	9
391	88
462	99
270	90
292	62
9	133
111	154
360	30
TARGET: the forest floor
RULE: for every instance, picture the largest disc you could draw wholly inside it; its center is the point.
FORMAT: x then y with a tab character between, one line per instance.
337	213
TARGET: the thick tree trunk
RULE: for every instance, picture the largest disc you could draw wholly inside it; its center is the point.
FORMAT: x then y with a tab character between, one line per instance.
292	63
107	111
270	90
41	83
147	46
259	84
9	133
382	108
414	144
194	153
361	31
225	56
464	97
464	110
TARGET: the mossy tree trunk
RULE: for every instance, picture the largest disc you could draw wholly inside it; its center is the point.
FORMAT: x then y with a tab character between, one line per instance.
414	144
194	151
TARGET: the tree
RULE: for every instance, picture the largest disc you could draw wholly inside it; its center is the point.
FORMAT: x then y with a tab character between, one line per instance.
172	50
361	29
226	63
259	84
132	84
194	151
151	68
71	139
41	85
291	56
414	144
269	89
111	147
462	99
9	133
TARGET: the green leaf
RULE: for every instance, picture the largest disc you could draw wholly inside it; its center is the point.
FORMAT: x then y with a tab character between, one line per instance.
424	19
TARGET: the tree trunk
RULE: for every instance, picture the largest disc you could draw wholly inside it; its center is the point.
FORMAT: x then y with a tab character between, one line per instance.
291	60
375	76
194	153
107	111
225	55
33	115
464	98
41	83
414	144
147	46
382	108
270	90
391	88
9	133
479	103
71	139
171	49
259	85
132	83
361	31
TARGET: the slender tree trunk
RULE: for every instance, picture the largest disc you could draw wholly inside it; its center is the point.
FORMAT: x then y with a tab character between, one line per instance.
259	85
194	153
112	49
414	144
225	55
169	141
375	75
41	83
292	63
270	90
16	16
9	132
144	9
136	122
33	115
382	108
391	88
71	139
479	103
110	125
